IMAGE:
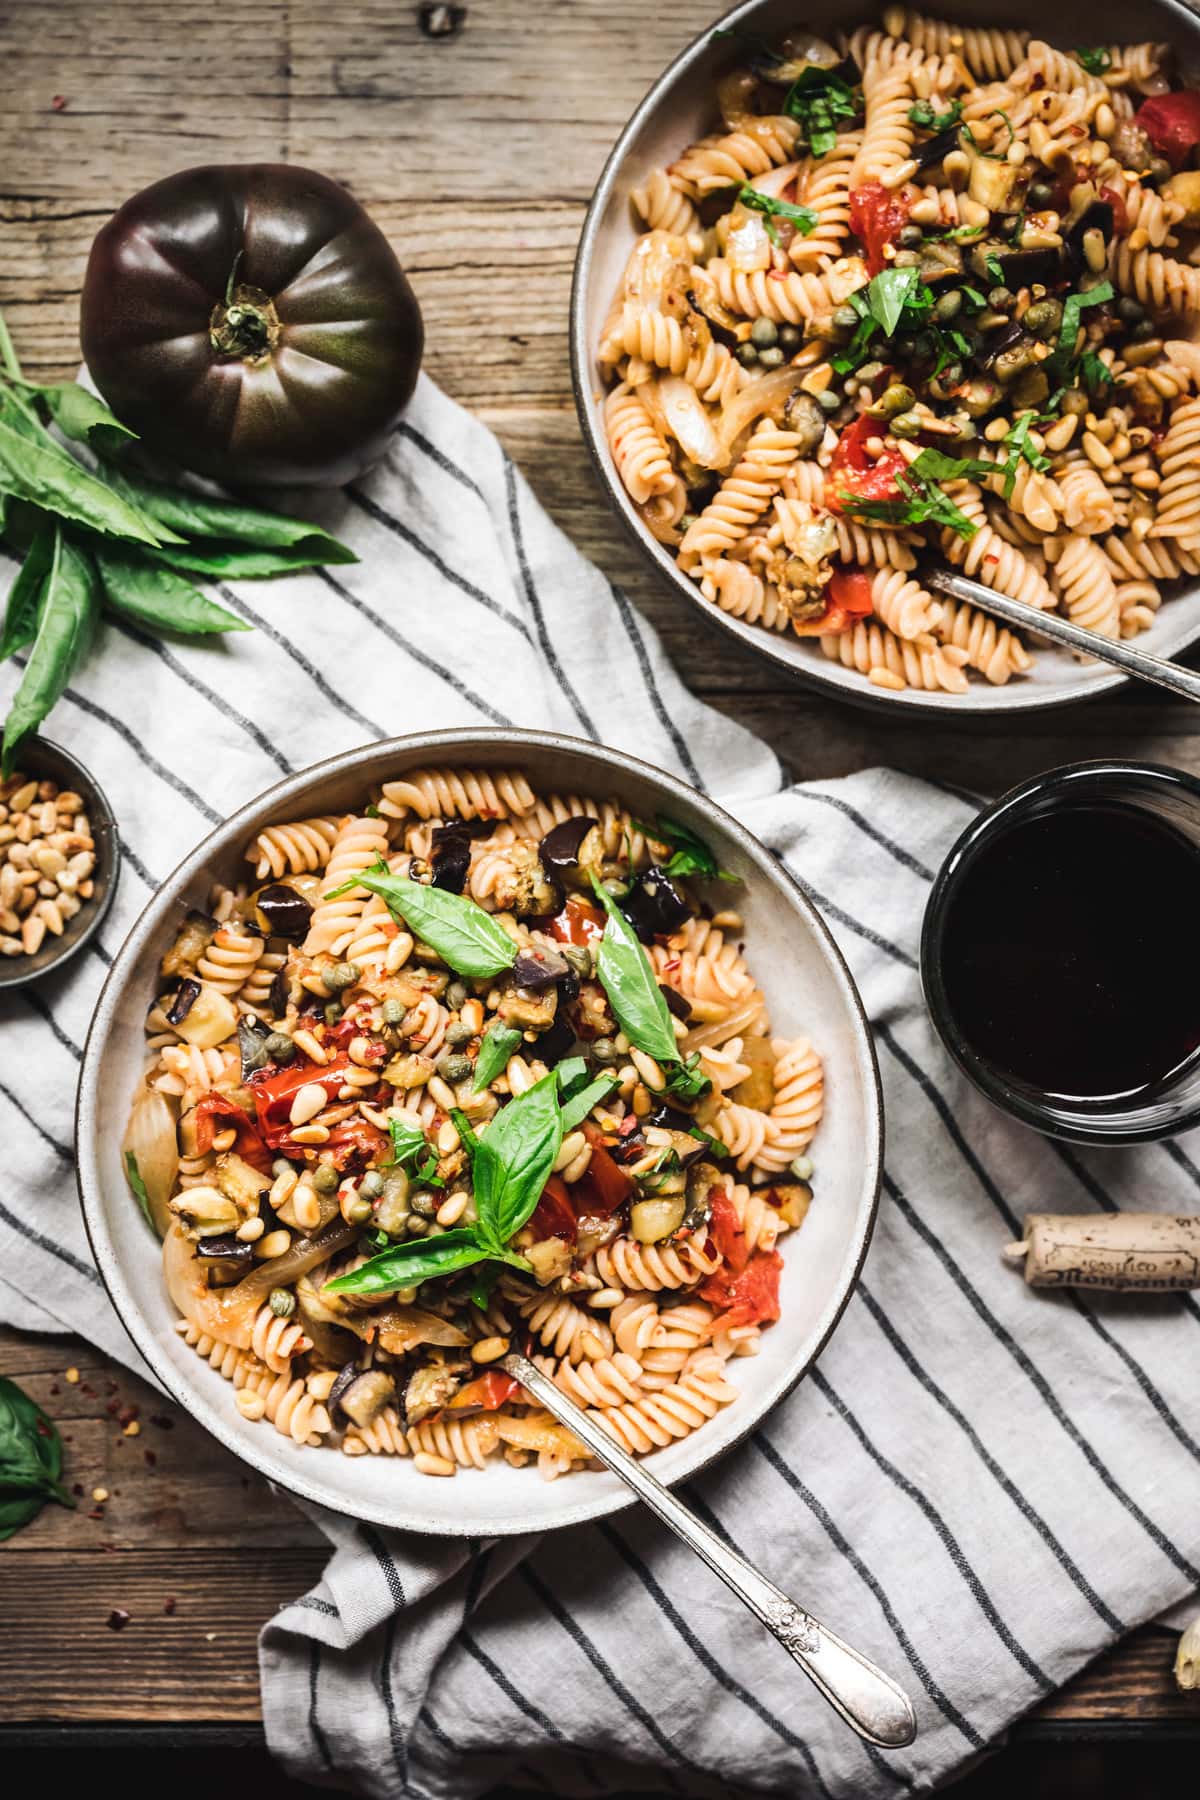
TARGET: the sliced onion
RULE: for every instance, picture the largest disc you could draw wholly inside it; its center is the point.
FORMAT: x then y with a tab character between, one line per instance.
736	1025
802	50
747	246
776	182
767	394
400	1328
152	1139
658	265
689	422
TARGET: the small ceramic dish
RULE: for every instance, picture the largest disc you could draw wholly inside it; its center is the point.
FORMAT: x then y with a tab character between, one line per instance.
809	989
43	761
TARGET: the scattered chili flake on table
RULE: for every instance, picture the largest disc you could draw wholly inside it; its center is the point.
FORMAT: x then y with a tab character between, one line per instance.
59	103
150	1457
169	1607
118	1619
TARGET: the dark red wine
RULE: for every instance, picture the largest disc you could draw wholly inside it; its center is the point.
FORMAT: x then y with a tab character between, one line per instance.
1071	952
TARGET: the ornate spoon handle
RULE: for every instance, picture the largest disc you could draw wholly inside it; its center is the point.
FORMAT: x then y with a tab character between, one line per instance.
868	1700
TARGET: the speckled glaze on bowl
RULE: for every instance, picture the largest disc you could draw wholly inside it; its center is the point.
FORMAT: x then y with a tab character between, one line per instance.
41	759
809	990
679	109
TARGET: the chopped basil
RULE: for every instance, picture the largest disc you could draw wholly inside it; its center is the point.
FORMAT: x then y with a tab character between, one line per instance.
918	504
1073	307
413	1153
1094	373
1020	448
994	269
690	854
921	113
818	99
1096	60
802	217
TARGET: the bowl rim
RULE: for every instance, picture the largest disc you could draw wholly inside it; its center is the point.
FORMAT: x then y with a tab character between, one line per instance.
104	832
89	1183
995	701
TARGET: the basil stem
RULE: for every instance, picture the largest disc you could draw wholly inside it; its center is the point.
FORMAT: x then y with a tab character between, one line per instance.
157	598
70	602
25	594
407	1265
463	935
133	1176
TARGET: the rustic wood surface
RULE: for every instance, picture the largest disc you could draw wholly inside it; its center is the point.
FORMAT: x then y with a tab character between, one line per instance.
477	154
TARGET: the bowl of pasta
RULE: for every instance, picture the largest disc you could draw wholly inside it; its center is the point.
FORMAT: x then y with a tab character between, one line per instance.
879	288
454	1045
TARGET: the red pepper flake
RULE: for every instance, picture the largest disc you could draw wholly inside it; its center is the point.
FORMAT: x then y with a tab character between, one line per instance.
162	1421
59	103
110	1387
97	1512
89	1391
118	1619
54	1387
113	1408
169	1607
150	1457
77	1490
127	1413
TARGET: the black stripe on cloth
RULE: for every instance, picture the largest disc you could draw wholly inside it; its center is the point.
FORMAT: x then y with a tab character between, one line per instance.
395	1729
535	605
410	649
61	1150
44	1243
97	949
609	1676
991	1188
138	747
682	750
374	511
898	851
519	1700
382	1555
301	661
941	1700
43	1012
136	864
852	924
313	1603
989	1462
475	1580
405	430
704	1656
949	1542
215	700
1037	1379
314	1724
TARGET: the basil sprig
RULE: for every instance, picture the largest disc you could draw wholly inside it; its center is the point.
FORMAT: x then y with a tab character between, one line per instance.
802	217
68	603
30	1460
690	854
818	99
498	1044
414	1153
628	979
920	499
467	939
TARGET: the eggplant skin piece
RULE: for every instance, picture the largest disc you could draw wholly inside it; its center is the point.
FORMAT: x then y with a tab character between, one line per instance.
653	904
298	381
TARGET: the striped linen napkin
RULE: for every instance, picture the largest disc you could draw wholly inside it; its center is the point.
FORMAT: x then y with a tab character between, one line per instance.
979	1485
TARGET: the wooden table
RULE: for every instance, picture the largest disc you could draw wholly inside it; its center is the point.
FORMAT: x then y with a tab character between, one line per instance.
476	153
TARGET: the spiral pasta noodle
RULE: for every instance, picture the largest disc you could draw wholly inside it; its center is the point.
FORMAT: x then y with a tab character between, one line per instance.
301	847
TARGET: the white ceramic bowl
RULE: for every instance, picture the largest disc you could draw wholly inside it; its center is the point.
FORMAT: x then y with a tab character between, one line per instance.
679	109
809	990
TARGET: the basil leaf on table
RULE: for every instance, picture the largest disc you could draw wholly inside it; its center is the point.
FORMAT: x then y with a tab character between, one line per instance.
17	1510
231	562
30	1460
69	607
38	471
497	1045
413	1152
25	594
406	1265
466	938
81	415
514	1160
157	598
195	516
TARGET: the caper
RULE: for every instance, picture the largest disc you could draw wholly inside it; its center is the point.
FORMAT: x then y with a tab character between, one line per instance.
604	1050
394	1012
279	1047
764	333
1000	299
907	425
870	371
415	1227
326	1179
828	400
333	1012
1040	195
281	1302
423	1203
454	1066
790	337
458	1033
905	345
1075	403
456	995
356	1211
911	236
906	259
1142	330
1030	388
846	319
1009	363
341	975
1044	318
371	1184
747	355
894	399
948	305
579	959
771	359
1130	310
1158	169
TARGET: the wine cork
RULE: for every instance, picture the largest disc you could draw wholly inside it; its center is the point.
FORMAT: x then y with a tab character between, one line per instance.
1124	1252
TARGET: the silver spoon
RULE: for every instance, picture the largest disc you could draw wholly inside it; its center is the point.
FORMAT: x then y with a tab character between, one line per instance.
868	1700
1062	631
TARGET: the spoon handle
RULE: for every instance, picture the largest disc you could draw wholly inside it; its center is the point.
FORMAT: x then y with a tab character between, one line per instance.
1062	631
868	1700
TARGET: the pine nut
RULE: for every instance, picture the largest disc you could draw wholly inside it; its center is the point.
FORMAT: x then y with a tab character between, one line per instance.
1060	434
47	816
433	1465
275	1243
66	881
310	1134
1095	451
443	1094
49	861
649	1070
69	802
488	1349
50	913
306	1210
252	1406
24	797
353	1446
308	1045
471	1014
224	1140
32	933
452	1209
359	1050
447	1137
284	1186
250	1231
307	1102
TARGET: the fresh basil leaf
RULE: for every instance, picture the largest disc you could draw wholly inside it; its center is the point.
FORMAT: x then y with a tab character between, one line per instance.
691	855
498	1043
802	217
1094	373
1073	308
921	113
633	992
45	475
17	1510
576	1109
686	1079
818	99
68	614
230	562
917	504
1096	61
514	1160
485	1280
414	1153
157	598
465	1130
81	415
934	465
133	1176
888	293
25	594
466	938
198	517
572	1072
407	1265
994	269
30	1447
